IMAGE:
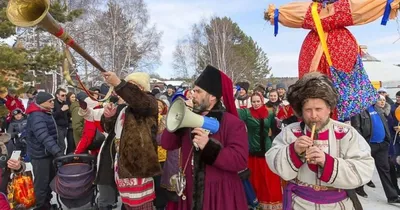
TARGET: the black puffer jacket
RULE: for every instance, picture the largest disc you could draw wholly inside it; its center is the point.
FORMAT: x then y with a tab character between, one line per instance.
41	133
61	117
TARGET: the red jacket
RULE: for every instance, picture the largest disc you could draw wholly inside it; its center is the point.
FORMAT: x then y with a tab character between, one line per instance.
88	135
13	103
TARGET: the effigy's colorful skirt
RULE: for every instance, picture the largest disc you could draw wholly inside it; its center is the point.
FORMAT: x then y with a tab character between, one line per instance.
356	92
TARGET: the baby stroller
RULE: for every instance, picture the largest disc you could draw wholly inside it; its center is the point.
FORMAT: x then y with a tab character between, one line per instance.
73	182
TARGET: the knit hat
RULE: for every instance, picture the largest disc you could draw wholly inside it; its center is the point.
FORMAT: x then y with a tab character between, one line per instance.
81	96
155	91
17	111
171	87
382	90
269	84
140	78
42	97
245	86
218	84
280	85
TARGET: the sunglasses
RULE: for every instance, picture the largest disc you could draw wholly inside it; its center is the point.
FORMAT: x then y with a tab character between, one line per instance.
381	92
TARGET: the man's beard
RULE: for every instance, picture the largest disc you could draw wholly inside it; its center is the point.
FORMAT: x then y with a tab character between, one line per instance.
200	107
319	125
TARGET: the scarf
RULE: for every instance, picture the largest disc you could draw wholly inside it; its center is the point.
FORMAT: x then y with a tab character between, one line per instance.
242	98
260	113
273	104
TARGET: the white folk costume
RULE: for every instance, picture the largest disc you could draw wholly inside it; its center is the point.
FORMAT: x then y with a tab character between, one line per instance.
243	102
348	161
348	165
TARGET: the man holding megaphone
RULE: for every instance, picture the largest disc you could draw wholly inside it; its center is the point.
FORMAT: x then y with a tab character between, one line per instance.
213	143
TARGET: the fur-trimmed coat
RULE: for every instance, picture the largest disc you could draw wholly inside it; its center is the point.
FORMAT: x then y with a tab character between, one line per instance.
138	146
212	181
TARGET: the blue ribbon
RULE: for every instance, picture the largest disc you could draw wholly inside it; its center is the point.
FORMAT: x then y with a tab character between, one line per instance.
276	21
386	14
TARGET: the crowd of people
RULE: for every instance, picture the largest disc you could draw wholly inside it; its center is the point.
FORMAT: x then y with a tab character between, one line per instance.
148	167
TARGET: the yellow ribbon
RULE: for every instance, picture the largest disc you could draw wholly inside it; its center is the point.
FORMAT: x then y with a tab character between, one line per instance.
320	30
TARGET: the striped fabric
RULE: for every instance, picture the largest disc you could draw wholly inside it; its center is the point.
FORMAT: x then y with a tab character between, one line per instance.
135	192
146	206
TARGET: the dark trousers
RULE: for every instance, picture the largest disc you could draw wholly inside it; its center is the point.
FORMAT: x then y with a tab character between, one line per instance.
393	174
161	198
62	134
70	141
380	152
44	173
107	195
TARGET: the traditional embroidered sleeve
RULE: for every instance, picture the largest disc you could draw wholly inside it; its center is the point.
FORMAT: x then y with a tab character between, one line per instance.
356	166
291	15
282	158
366	11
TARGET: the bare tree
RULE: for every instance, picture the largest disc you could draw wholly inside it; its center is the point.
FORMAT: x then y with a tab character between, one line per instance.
221	43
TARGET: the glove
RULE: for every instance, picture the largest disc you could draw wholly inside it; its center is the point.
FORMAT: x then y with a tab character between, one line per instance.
83	105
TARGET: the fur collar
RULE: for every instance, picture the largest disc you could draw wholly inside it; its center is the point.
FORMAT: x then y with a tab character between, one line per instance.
385	110
217	111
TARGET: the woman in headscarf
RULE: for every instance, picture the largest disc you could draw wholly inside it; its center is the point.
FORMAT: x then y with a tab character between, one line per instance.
260	122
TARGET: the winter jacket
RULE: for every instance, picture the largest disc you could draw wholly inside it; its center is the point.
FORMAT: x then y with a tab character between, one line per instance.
77	122
88	136
362	123
139	133
16	105
5	171
13	103
61	117
258	132
41	133
105	172
4	204
16	127
30	101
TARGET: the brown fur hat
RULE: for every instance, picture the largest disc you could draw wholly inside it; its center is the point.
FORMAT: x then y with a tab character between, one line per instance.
312	85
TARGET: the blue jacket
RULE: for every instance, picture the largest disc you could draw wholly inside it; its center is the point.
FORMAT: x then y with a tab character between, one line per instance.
41	133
